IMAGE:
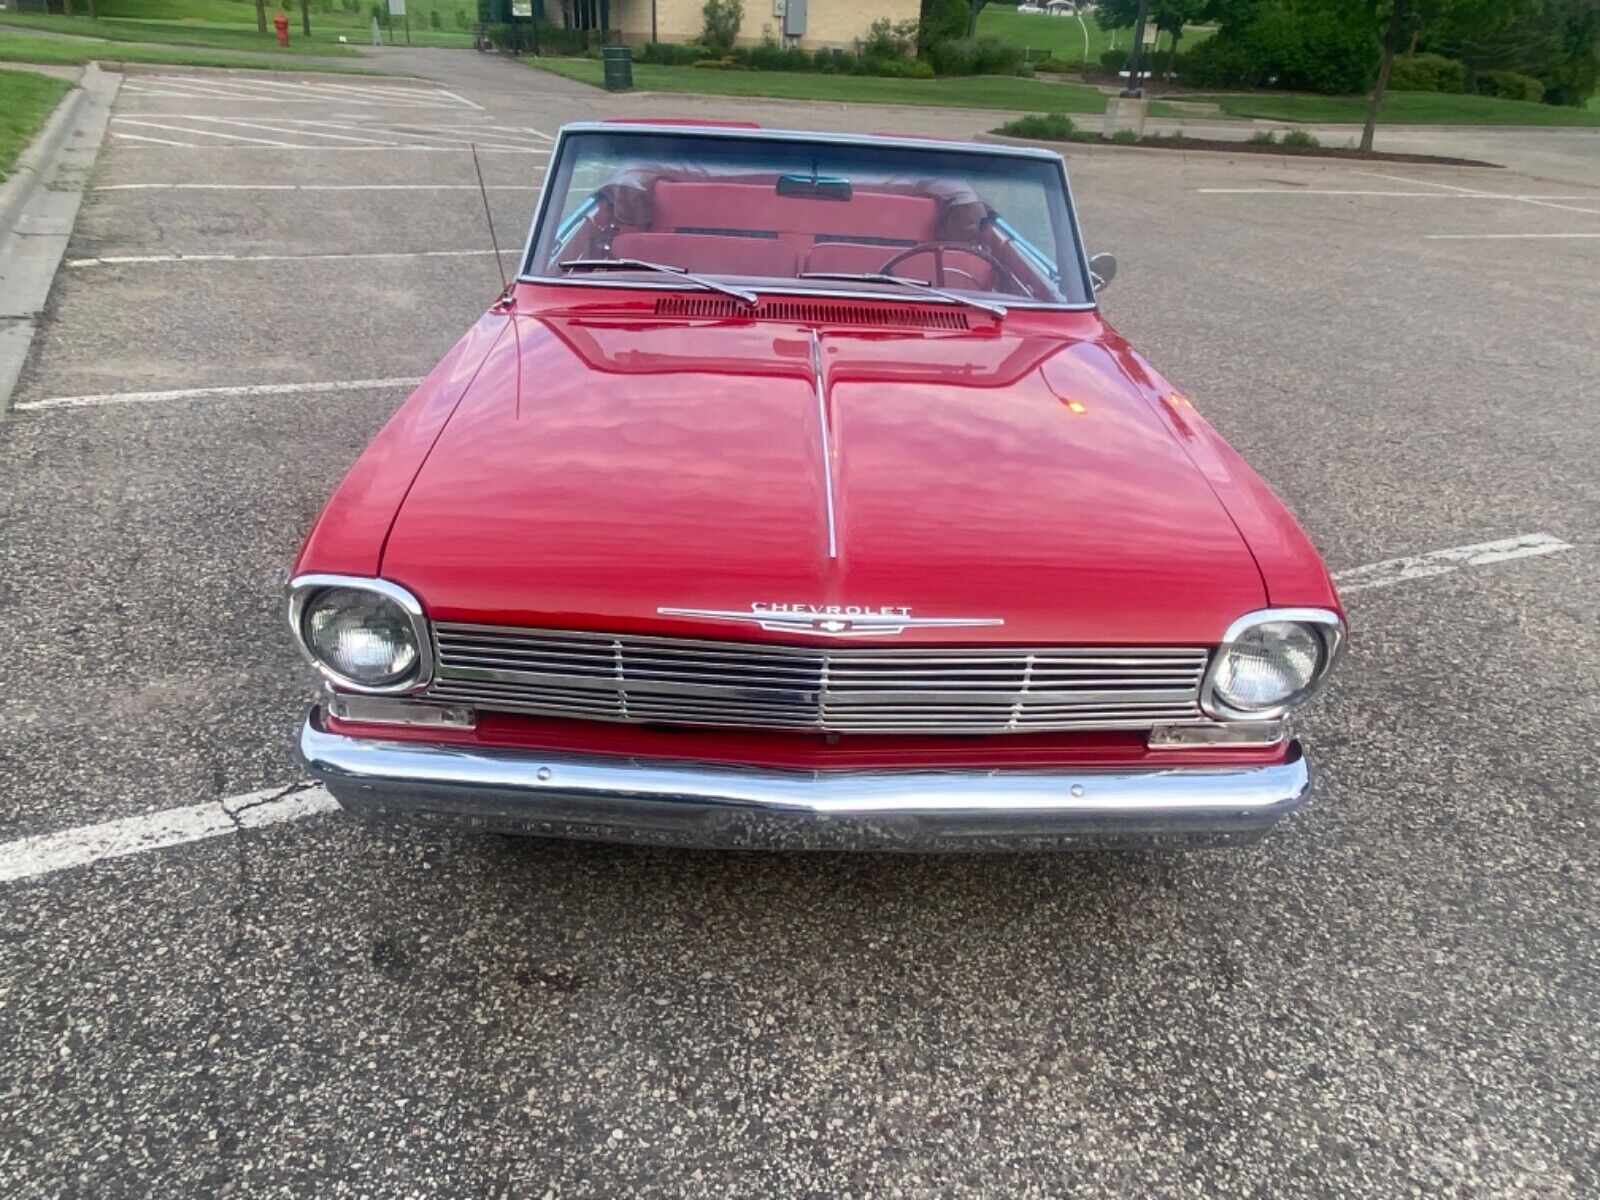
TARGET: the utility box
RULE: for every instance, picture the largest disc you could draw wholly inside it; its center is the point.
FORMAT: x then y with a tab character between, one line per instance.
794	18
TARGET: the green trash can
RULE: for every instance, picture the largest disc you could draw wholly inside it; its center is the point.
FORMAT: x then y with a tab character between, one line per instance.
618	61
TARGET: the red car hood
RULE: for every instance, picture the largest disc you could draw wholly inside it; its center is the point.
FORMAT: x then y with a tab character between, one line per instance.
629	466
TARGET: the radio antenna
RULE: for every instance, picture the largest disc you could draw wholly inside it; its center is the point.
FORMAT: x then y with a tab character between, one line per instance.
489	216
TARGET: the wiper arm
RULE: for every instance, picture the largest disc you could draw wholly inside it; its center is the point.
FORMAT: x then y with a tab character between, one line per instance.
996	310
639	264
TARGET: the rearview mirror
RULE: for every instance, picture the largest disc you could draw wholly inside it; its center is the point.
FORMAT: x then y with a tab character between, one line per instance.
814	187
1102	270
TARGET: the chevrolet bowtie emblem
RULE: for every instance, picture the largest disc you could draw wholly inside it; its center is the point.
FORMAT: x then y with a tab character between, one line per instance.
831	620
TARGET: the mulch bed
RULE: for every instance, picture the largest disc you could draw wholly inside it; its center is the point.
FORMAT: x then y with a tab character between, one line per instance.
1222	145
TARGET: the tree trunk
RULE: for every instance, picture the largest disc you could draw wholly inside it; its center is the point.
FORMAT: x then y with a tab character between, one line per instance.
1172	54
90	9
305	17
1378	89
261	16
66	8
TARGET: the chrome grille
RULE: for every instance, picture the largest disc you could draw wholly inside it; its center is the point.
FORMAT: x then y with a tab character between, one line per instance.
879	689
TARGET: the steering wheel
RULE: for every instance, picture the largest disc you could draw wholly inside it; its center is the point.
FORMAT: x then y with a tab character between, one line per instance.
940	270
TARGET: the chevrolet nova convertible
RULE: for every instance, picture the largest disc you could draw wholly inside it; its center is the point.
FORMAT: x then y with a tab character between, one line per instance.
796	494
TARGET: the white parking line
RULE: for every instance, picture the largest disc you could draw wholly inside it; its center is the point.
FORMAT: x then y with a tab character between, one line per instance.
1496	237
1297	191
333	149
45	854
116	260
1441	562
1479	192
216	393
313	187
234	137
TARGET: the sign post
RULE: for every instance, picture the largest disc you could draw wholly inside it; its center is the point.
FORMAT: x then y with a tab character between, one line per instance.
397	8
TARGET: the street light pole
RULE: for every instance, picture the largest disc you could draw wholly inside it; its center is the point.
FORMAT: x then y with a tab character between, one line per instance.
1135	60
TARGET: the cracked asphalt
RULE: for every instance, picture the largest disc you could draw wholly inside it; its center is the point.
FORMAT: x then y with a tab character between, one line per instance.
1394	994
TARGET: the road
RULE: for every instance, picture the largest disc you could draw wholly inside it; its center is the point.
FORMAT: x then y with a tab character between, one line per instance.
1393	994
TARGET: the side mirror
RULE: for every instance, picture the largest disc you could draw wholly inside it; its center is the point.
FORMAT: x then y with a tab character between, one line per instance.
1102	270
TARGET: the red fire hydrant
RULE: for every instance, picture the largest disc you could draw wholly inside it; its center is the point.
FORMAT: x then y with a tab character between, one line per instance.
281	24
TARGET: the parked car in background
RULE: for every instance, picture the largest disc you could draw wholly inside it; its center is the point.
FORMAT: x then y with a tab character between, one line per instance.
797	493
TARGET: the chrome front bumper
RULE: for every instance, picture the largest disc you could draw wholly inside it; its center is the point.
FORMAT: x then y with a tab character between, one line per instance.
683	803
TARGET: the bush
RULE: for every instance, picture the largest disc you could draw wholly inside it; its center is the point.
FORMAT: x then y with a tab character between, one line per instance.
985	56
1427	73
1114	61
942	21
886	39
1310	50
670	54
1262	137
1125	137
1300	138
434	21
1055	66
1510	85
769	56
1053	127
554	39
722	20
462	20
1220	62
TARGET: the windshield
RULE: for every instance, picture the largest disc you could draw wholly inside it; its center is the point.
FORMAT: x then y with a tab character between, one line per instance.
809	214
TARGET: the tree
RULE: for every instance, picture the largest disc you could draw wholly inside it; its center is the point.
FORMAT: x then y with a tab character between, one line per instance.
722	20
261	16
974	7
1168	16
305	16
1397	24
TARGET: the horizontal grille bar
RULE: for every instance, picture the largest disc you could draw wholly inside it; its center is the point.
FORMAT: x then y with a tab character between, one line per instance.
686	681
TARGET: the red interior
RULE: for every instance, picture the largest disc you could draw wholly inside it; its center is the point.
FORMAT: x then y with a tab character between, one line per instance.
747	228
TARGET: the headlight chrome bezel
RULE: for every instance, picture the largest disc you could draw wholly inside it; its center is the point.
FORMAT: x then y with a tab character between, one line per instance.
1325	624
304	589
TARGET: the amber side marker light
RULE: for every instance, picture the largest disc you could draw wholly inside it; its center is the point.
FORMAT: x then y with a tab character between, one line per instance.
1180	400
1076	406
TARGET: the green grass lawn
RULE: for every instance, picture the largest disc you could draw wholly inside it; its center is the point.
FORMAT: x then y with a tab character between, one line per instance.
175	34
1063	36
979	91
231	24
26	47
26	100
1401	108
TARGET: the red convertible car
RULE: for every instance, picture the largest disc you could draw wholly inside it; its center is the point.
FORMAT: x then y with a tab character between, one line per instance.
797	494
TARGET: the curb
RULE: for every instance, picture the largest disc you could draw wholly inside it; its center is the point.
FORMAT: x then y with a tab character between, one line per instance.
37	161
38	214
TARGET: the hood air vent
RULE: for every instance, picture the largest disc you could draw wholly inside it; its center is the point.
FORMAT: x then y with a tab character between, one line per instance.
812	312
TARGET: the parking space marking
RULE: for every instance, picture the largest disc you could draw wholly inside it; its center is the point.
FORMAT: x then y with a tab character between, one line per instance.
373	133
120	260
1496	237
1297	191
216	393
236	137
302	149
314	187
45	854
1479	192
256	90
1442	562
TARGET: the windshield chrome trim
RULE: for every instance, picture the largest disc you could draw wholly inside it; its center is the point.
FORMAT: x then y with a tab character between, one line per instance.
665	285
546	194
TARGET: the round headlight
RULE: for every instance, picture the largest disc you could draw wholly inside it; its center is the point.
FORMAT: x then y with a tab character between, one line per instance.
361	636
1268	666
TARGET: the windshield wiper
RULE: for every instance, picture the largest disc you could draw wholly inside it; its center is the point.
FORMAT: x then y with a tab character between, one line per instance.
639	264
997	310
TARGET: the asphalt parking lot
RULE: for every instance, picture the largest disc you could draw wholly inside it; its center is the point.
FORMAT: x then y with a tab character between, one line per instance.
1394	994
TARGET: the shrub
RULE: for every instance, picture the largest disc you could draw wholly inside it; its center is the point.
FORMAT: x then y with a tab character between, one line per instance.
1304	50
1262	137
434	21
1055	66
886	39
462	20
670	54
1115	61
942	21
1125	137
722	20
1427	73
985	56
1220	62
1054	127
1301	139
1510	85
